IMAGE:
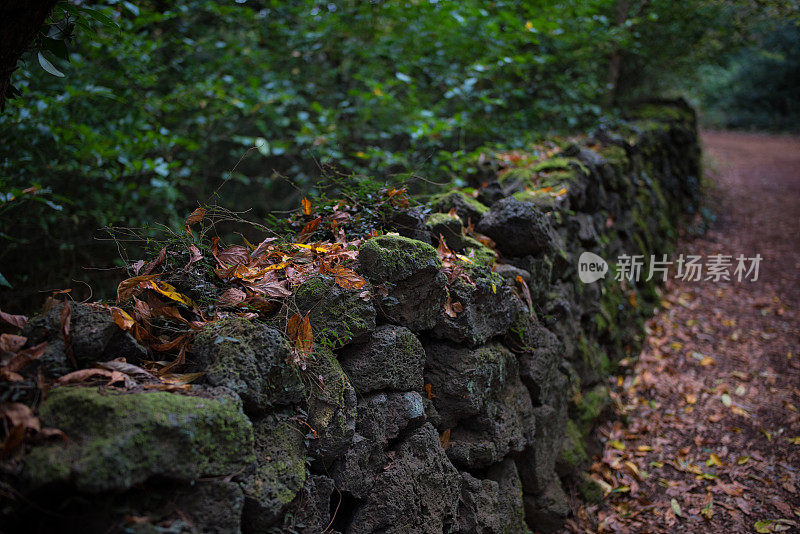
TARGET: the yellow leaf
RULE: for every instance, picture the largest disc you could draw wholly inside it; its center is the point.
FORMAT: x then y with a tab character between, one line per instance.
644	448
794	441
529	25
494	288
713	459
707	360
742	460
691	398
463	258
168	291
617	445
122	318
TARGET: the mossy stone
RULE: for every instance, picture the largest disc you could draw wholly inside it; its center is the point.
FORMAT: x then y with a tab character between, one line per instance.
449	227
119	440
251	359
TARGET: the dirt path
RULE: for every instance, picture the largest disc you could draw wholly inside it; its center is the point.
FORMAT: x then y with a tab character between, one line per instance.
707	429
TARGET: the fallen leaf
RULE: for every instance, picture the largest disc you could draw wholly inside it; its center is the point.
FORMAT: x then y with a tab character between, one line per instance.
196	216
675	507
347	278
122	319
306	204
14	320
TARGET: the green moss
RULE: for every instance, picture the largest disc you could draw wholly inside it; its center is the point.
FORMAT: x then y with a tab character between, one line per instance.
590	490
616	156
664	113
117	441
482	257
573	453
524	175
455	197
590	407
392	258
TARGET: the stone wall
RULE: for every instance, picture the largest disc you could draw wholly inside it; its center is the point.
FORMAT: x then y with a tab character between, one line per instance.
440	398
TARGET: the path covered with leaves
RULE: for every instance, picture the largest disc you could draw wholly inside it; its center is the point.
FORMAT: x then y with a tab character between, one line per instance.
705	431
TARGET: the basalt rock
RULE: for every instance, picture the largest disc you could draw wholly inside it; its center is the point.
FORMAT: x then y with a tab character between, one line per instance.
410	271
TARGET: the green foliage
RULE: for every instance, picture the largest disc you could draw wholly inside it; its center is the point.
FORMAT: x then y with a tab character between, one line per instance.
248	104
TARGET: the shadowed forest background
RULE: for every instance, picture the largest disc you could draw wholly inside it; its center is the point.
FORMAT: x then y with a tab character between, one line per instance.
129	114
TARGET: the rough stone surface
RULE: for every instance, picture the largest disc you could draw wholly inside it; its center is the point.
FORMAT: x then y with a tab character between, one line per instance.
392	359
488	308
250	359
411	272
467	207
93	334
416	492
331	408
547	511
464	380
338	316
518	228
491	505
312	507
448	226
277	475
119	440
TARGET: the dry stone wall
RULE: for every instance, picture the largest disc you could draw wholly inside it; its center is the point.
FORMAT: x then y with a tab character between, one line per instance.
409	419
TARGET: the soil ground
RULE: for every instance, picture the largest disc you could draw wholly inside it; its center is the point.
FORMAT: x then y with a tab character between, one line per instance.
705	434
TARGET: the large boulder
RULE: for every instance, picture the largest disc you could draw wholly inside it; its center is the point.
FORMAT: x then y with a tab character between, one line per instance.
251	359
410	272
331	408
93	334
540	354
417	491
338	316
278	474
119	440
519	228
392	359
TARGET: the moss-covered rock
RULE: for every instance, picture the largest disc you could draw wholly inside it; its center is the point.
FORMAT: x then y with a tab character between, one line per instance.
278	474
251	359
338	316
587	409
449	227
93	334
119	440
493	504
331	407
410	271
466	206
392	359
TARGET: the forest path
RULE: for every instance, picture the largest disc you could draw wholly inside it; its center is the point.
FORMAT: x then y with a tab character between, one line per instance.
705	435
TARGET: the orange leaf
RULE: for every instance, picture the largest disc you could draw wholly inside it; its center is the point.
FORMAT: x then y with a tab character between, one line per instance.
444	439
300	333
122	319
309	229
306	206
196	216
347	278
128	288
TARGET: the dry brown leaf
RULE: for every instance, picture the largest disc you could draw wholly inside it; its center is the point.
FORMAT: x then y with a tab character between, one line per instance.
309	229
130	287
11	343
14	320
196	216
122	319
235	255
231	297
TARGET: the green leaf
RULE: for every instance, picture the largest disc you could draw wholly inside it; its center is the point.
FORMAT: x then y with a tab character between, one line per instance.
3	281
49	67
675	507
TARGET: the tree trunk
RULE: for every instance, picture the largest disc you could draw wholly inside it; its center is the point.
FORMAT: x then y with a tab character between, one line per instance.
20	20
612	78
